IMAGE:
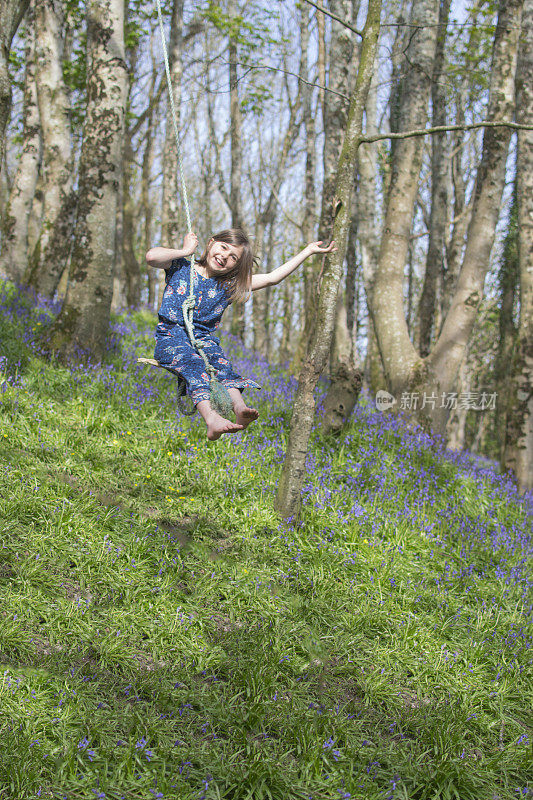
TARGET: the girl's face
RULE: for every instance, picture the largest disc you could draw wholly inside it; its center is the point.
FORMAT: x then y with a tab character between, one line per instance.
222	257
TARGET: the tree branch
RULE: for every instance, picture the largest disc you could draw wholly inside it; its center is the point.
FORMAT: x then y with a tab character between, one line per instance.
442	129
335	17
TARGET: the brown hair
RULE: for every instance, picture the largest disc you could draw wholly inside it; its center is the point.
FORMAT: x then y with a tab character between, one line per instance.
238	280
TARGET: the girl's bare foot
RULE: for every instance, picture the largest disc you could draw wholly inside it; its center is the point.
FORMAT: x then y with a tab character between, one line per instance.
217	425
245	415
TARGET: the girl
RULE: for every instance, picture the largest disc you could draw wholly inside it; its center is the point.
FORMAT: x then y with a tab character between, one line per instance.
222	275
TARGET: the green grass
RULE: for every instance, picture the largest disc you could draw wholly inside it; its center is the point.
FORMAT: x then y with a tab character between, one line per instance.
163	634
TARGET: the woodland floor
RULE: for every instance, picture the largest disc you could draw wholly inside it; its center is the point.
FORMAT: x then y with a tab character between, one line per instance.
164	635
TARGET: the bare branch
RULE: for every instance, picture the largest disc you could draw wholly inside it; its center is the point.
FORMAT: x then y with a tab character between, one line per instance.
250	67
442	129
335	17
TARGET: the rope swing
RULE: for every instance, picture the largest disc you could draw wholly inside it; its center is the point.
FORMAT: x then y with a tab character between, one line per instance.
220	398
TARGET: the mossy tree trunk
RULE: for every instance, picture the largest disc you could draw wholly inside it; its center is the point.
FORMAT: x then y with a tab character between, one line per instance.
342	64
11	14
15	220
288	498
50	255
84	319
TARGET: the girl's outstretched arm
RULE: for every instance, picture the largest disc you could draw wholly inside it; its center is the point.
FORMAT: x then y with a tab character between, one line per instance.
162	257
280	273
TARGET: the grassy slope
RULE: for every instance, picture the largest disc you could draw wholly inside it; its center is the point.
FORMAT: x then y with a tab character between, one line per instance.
163	635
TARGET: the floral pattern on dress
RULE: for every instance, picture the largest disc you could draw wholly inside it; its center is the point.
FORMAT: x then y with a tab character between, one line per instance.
173	347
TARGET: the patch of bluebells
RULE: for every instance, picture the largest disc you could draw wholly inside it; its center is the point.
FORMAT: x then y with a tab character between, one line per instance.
83	745
413	483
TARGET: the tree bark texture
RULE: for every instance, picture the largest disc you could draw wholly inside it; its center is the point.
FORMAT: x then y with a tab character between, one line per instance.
15	220
265	219
84	319
397	352
345	369
130	264
50	255
439	190
11	14
238	319
461	219
309	270
342	64
449	350
519	429
288	499
146	205
508	290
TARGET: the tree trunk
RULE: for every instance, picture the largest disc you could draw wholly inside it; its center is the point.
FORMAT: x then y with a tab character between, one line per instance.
344	362
287	328
309	268
397	352
439	190
17	214
132	271
461	219
288	499
84	319
508	288
237	320
146	175
334	112
456	425
449	350
172	231
346	375
11	13
259	299
519	430
50	256
146	204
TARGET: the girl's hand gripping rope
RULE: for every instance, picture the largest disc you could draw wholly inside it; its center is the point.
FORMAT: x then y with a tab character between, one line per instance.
190	243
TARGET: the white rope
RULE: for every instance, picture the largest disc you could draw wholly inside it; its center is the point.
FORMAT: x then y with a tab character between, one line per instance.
188	305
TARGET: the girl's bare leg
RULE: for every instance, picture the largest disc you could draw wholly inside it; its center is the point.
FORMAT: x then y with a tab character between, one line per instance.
216	425
243	414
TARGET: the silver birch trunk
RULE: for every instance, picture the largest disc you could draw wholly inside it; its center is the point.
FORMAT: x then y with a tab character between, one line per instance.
288	499
11	14
84	319
15	220
50	255
519	430
449	350
36	212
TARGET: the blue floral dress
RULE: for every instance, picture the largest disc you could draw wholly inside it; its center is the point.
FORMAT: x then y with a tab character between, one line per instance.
173	348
